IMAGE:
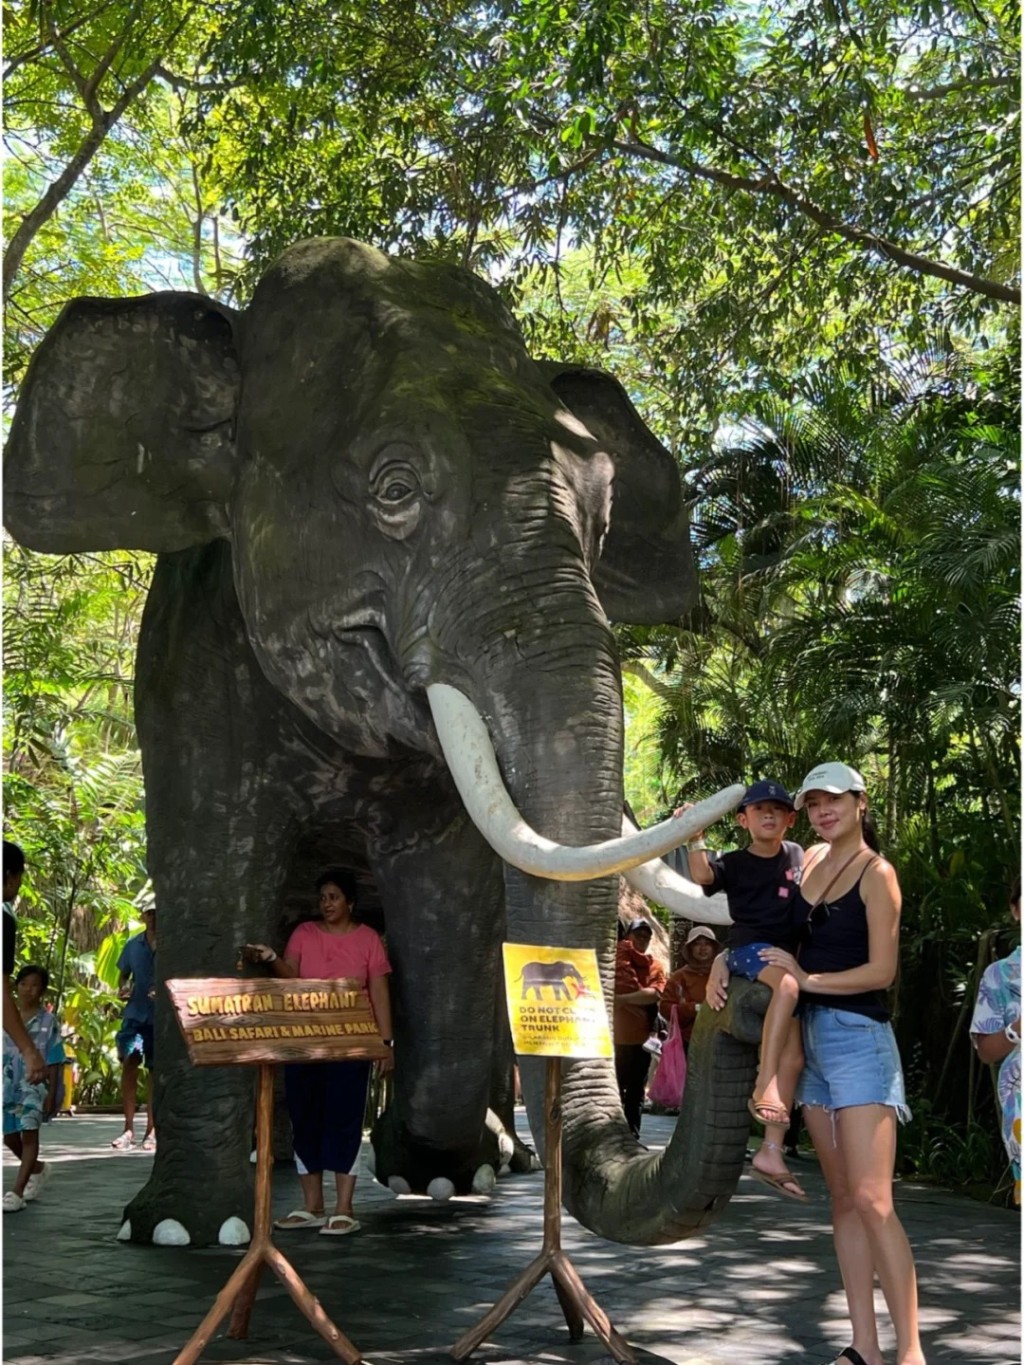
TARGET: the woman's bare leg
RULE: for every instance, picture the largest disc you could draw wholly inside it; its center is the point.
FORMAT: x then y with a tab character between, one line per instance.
853	1248
312	1191
345	1185
868	1142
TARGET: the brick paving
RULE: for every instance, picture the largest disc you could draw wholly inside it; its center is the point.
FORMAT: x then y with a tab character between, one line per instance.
761	1286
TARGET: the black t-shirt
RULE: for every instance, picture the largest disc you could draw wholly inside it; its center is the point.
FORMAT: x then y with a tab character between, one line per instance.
10	939
760	892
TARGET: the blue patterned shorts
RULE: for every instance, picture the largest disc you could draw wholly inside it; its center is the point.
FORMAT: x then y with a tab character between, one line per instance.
747	961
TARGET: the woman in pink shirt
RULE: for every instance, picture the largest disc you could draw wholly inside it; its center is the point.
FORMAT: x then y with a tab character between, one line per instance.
326	1100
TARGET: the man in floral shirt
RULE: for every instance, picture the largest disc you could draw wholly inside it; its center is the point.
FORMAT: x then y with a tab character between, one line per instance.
995	1032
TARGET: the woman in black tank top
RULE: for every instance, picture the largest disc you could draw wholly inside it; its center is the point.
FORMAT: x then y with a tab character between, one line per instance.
852	1086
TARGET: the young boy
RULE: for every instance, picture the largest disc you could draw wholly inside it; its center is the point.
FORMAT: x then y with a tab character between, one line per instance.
760	883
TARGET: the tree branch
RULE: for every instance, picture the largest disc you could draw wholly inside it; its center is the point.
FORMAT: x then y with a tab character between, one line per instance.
88	98
938	92
772	186
102	122
41	48
197	87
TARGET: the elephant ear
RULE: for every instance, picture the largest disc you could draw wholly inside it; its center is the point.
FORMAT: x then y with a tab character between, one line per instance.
646	574
123	437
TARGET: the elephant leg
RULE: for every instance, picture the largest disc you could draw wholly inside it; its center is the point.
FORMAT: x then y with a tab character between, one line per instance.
443	900
219	836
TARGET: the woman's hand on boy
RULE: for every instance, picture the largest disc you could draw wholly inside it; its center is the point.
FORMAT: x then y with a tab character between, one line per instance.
778	957
718	983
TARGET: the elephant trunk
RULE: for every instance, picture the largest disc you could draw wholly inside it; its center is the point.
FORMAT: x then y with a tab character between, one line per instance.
556	722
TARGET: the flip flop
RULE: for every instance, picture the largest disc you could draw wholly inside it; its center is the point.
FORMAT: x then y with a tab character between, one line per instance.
300	1218
848	1353
779	1183
768	1113
339	1225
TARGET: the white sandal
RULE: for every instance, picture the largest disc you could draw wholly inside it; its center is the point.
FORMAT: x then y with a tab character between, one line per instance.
340	1225
300	1218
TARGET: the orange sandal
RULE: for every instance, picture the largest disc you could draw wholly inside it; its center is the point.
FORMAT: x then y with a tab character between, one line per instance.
768	1113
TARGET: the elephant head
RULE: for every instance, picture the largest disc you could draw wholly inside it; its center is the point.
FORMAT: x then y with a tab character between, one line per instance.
429	534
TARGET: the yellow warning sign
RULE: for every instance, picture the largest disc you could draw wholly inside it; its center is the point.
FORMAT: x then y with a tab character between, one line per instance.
555	1002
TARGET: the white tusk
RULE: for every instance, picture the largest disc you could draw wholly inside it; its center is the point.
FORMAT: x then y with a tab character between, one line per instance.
659	882
471	760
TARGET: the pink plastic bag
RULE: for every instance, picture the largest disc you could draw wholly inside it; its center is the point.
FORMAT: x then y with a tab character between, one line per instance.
669	1080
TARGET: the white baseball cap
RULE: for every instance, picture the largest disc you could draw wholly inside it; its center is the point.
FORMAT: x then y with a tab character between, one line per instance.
829	777
700	931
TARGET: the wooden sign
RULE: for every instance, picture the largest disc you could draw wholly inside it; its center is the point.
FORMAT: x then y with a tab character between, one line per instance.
227	1021
555	1002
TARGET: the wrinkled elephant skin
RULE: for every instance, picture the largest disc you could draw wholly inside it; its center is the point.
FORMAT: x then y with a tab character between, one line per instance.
359	488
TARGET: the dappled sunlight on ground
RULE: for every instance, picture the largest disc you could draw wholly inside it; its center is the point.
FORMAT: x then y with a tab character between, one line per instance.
760	1284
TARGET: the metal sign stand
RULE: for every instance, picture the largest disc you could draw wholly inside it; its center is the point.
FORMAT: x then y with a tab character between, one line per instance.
576	1303
239	1293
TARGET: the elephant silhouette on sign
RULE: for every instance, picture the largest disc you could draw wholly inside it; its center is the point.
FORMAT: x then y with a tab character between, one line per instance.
536	975
389	547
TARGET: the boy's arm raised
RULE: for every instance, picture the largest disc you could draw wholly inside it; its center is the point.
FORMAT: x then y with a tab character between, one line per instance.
701	871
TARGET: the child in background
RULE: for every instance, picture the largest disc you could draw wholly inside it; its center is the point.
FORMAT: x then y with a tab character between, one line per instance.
760	882
27	1106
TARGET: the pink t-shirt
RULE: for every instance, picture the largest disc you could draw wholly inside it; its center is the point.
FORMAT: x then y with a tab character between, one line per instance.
359	956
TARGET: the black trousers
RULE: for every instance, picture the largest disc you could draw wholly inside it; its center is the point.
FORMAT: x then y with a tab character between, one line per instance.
632	1063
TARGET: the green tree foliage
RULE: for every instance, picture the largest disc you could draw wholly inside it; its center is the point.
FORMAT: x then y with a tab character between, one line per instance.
101	196
73	793
794	180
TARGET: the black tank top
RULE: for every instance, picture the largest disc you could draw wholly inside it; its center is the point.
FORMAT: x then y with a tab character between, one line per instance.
836	942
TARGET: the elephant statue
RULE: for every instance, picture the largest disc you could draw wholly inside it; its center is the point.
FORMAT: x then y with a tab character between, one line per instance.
389	546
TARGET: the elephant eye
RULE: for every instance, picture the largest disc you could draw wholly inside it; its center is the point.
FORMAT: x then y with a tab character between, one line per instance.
395	484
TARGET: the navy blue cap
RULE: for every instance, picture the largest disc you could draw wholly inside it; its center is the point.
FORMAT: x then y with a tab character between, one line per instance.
766	791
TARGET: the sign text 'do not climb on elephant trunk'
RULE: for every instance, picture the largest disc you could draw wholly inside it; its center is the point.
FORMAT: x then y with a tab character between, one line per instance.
555	1002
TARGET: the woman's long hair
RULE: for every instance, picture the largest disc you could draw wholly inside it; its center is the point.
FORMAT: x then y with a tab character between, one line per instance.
869	831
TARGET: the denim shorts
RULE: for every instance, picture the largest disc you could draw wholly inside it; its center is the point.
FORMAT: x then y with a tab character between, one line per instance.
747	961
849	1059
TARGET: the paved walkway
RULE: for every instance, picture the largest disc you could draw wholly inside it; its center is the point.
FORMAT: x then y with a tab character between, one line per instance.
762	1286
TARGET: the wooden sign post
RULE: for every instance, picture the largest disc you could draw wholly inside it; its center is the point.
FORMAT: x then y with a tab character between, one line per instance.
556	1009
230	1022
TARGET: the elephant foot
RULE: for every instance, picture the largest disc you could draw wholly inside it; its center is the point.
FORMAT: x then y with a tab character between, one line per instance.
440	1189
406	1166
183	1213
